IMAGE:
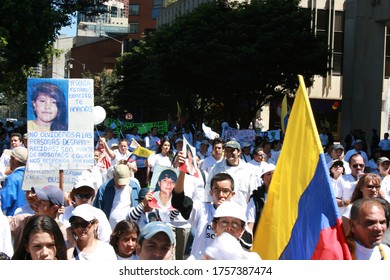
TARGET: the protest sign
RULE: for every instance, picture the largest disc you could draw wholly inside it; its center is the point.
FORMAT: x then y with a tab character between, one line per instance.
60	124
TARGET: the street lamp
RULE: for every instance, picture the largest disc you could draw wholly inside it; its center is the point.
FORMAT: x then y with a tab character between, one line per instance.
116	40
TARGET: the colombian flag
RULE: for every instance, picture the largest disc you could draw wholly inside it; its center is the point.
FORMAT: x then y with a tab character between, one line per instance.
300	219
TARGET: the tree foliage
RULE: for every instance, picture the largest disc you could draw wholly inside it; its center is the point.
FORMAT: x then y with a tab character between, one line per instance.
28	29
235	54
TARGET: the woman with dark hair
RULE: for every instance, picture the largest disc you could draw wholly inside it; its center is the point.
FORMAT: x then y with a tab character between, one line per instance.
336	170
42	239
163	156
84	243
368	186
124	239
50	108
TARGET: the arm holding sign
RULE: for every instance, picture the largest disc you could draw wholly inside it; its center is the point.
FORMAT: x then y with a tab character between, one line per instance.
180	201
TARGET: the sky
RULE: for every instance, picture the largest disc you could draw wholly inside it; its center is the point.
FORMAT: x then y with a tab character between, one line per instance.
70	30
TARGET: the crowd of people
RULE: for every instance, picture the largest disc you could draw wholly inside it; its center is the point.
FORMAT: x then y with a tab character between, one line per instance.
129	207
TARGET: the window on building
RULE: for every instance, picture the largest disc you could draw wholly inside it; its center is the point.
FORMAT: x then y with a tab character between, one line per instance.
134	9
323	25
338	44
134	28
387	59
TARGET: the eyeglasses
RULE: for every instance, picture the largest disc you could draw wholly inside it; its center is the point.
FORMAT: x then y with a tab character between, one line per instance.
83	196
358	165
373	186
83	224
225	191
233	225
338	165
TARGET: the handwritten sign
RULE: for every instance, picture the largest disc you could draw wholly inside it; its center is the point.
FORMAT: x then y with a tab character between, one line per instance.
41	178
60	124
244	135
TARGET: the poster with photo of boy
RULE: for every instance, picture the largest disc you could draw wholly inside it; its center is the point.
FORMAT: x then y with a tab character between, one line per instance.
162	184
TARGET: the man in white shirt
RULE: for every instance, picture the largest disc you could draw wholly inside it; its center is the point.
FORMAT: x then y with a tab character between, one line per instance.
368	224
216	155
244	178
116	196
258	163
347	183
357	150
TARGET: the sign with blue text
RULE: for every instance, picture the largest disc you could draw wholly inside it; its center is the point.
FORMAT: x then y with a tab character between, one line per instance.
60	124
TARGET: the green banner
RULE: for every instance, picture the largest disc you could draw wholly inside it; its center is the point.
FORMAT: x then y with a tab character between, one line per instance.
119	125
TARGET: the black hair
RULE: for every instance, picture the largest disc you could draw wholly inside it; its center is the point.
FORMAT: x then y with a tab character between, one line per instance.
221	177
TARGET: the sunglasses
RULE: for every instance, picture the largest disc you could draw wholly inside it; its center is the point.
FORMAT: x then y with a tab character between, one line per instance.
83	196
83	224
372	187
358	165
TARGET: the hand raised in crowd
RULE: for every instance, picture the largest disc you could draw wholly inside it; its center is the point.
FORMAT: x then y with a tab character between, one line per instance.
179	159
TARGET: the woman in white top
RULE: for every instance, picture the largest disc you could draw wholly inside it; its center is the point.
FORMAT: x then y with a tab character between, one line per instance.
163	157
83	192
368	186
336	169
83	238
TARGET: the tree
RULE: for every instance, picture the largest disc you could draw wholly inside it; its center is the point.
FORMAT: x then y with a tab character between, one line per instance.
105	90
235	54
27	32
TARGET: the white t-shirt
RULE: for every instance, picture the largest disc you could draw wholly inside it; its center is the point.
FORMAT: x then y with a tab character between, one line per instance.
120	205
344	189
5	236
363	253
208	163
158	159
200	218
385	186
103	251
244	181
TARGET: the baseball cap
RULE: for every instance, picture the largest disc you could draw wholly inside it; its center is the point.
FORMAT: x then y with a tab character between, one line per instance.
152	228
337	146
19	153
168	173
179	140
84	181
205	142
233	144
269	167
122	174
50	193
382	159
336	161
358	141
230	209
245	144
84	211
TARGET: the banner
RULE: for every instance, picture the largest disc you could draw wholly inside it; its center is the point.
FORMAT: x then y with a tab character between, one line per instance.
121	126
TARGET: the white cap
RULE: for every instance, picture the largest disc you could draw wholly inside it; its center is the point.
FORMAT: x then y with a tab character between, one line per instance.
231	209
